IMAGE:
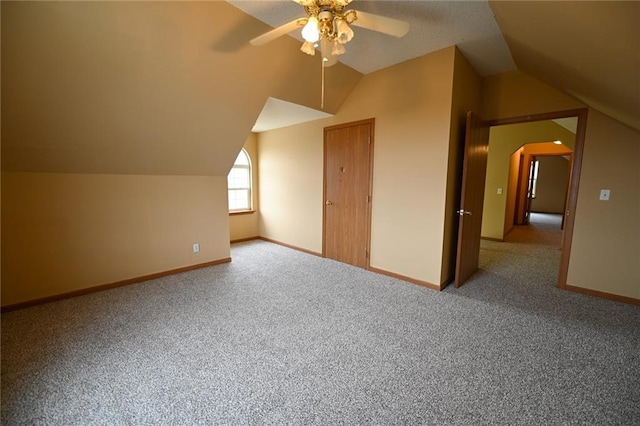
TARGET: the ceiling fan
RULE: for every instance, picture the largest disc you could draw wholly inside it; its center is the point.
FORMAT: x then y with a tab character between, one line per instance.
326	26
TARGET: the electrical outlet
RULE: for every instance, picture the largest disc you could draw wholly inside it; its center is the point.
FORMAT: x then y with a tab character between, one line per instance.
196	248
604	194
499	191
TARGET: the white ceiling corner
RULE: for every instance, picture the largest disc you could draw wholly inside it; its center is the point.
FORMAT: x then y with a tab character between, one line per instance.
569	123
277	113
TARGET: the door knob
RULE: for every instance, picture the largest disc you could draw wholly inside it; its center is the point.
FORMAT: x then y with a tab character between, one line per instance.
463	212
329	203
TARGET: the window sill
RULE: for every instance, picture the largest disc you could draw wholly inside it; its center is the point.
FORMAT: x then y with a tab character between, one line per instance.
241	212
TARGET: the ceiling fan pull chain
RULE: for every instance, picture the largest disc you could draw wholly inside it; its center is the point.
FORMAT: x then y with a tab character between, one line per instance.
322	88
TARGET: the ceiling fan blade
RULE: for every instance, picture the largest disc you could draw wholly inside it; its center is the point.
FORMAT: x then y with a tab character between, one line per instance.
382	24
277	32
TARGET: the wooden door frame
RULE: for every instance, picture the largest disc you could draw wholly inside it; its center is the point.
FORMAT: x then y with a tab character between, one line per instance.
371	122
574	176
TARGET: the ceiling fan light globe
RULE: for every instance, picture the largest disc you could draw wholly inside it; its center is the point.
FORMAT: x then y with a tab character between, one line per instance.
308	48
345	33
310	31
338	49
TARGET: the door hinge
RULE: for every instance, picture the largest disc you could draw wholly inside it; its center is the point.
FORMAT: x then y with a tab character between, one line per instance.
368	198
366	253
369	140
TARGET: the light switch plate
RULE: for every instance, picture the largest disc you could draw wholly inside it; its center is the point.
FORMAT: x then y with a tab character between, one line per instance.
604	194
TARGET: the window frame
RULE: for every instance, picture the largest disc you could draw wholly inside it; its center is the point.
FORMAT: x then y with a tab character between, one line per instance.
249	189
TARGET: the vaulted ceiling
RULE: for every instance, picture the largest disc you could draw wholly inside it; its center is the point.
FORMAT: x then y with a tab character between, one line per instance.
143	87
175	87
589	49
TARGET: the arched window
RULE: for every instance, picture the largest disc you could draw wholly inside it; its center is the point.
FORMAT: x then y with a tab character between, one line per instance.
239	183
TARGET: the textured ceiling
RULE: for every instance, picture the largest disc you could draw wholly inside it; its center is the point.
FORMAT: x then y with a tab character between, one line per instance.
588	49
434	25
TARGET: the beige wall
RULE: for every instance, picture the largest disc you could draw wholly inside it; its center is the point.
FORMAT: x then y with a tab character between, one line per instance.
290	161
412	105
517	94
611	155
551	186
243	226
66	232
605	254
504	141
126	117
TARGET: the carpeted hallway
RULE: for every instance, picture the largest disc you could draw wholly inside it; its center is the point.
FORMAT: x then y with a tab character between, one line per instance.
282	337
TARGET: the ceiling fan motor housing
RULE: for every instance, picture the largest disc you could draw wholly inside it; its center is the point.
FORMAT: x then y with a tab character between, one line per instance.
314	7
327	12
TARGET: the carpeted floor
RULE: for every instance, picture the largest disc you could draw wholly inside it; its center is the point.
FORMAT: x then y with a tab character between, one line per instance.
282	337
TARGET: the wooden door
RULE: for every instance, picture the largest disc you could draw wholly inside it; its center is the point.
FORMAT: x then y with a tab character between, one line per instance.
348	159
471	201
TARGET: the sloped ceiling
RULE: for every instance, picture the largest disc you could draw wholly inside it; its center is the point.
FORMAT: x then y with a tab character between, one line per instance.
588	49
143	87
174	87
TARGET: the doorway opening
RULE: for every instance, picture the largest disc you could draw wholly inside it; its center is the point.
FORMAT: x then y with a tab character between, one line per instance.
499	220
538	182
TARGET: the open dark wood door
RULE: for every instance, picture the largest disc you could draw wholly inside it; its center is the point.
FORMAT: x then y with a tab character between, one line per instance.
474	173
